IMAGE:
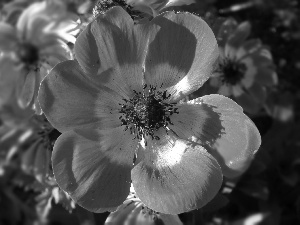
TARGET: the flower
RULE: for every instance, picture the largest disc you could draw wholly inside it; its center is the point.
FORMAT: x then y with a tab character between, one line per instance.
119	111
32	48
154	7
245	68
133	211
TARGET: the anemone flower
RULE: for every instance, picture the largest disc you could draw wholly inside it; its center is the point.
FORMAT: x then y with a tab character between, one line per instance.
154	7
245	68
119	111
32	48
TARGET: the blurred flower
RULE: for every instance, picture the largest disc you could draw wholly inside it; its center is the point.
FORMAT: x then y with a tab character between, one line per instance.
245	68
133	211
51	192
154	7
119	110
32	48
11	10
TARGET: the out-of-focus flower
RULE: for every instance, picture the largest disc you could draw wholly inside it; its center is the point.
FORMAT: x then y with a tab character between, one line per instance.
32	48
11	10
245	67
51	192
133	211
119	110
154	7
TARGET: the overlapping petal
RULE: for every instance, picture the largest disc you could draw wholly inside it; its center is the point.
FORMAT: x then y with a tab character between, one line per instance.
219	124
94	166
181	54
112	51
176	176
129	51
69	99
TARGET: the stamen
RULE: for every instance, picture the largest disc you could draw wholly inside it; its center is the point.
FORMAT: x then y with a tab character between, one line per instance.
146	112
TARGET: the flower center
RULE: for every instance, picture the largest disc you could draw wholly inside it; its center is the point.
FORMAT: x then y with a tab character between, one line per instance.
232	71
147	112
28	53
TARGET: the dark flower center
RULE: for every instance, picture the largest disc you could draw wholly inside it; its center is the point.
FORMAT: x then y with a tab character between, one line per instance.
147	112
232	71
28	53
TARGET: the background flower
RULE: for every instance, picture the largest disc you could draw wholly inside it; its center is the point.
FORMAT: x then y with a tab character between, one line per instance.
246	67
32	48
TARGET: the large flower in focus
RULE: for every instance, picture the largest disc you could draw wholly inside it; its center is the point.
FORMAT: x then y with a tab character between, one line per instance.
32	48
246	67
119	110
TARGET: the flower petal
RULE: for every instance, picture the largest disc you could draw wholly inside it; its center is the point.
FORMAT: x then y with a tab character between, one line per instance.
8	79
124	213
248	102
241	33
223	29
181	54
176	177
258	92
250	73
120	47
69	99
248	47
236	39
225	90
86	51
8	36
266	76
179	2
219	124
28	90
93	166
59	50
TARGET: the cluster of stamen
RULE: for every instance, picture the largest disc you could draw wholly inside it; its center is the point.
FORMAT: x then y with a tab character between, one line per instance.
232	71
146	112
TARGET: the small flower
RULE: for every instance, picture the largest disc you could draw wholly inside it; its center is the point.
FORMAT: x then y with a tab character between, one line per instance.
119	111
245	68
154	7
133	211
31	49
